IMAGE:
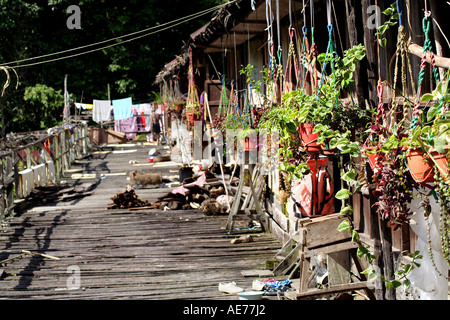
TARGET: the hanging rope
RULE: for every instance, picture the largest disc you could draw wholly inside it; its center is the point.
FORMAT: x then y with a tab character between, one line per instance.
291	58
192	100
330	50
290	63
427	48
402	52
314	51
271	71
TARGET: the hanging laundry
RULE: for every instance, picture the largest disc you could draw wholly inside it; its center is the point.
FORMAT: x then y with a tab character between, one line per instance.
127	125
101	111
144	110
122	108
84	106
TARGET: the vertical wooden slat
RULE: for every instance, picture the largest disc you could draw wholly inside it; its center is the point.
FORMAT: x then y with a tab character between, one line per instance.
2	191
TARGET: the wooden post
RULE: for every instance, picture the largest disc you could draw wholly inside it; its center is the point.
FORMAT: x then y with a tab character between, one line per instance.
438	14
386	236
351	6
372	58
2	192
375	235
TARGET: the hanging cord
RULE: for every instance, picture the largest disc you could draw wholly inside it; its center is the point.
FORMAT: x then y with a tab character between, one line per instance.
192	97
269	20
278	25
427	48
330	46
400	11
313	50
291	62
279	67
402	52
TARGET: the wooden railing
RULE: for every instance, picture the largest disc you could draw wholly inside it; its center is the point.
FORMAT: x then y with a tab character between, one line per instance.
38	163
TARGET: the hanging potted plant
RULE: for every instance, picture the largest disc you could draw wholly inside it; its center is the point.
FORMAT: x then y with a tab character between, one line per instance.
283	120
303	104
429	139
326	112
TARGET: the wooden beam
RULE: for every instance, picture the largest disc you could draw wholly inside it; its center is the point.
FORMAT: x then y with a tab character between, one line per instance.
334	289
417	50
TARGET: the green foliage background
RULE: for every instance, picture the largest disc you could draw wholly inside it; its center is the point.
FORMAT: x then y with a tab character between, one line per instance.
33	28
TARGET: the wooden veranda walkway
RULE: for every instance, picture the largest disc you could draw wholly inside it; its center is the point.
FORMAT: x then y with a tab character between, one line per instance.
122	254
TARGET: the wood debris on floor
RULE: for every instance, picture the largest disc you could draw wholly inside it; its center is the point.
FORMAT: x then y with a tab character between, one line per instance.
61	192
129	199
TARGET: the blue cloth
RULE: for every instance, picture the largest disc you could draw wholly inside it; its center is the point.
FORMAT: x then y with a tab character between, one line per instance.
122	109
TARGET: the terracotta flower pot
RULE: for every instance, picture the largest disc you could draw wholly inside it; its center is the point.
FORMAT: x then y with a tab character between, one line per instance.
441	161
308	138
191	117
422	169
373	158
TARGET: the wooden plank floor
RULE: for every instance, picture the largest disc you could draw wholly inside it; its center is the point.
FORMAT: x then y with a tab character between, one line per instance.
122	254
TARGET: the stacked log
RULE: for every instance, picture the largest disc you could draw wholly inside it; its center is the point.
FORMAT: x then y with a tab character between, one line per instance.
127	199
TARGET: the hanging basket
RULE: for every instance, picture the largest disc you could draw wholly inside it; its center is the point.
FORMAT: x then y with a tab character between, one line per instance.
308	138
441	161
373	158
192	117
420	167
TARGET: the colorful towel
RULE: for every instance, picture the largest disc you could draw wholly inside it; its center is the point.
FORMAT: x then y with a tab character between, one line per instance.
122	109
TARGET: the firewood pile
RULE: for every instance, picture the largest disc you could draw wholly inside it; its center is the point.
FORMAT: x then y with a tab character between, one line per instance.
128	199
204	191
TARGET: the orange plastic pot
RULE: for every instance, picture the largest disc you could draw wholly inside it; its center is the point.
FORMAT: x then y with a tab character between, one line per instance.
308	138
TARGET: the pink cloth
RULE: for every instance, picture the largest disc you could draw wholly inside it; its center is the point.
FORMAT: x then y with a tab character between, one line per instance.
127	125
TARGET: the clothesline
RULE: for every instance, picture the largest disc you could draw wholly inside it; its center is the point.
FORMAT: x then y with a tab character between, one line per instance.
128	117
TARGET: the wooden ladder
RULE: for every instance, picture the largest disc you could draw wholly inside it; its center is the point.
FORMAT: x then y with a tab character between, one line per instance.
317	236
252	201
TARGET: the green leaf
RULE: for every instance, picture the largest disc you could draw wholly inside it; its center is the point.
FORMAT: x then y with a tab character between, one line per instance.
347	210
291	127
427	97
355	236
342	194
389	11
349	176
388	285
366	271
431	113
361	251
396	284
372	276
407	284
440	143
382	42
344	225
